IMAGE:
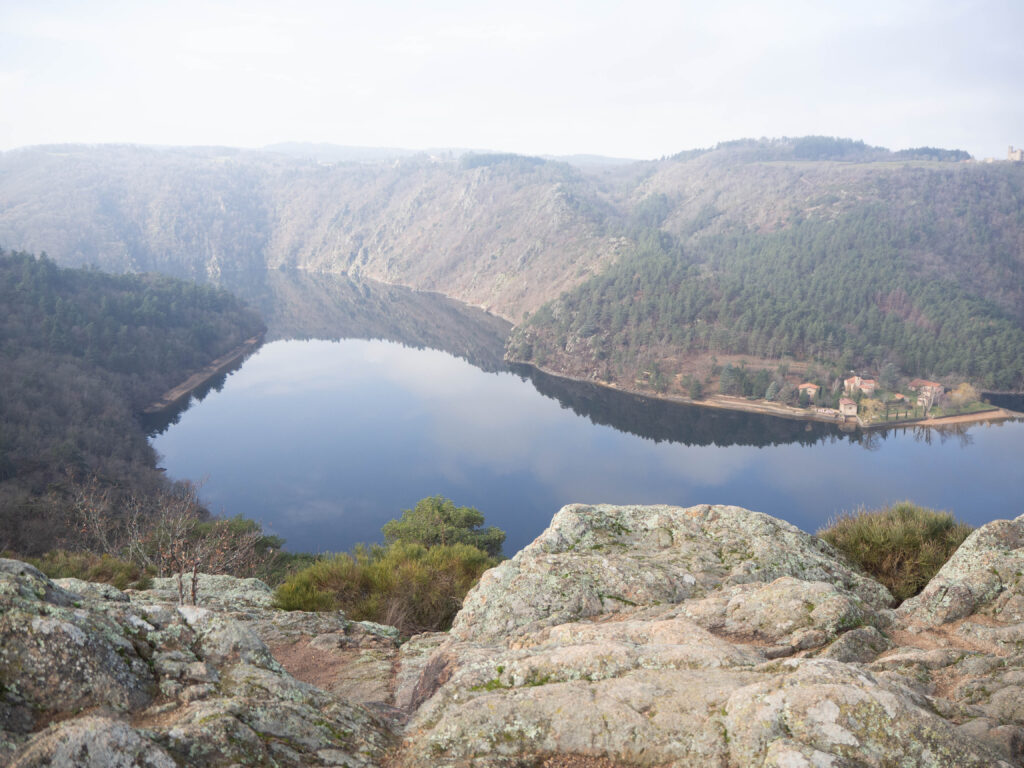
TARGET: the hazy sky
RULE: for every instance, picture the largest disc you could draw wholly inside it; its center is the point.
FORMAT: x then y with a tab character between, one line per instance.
638	79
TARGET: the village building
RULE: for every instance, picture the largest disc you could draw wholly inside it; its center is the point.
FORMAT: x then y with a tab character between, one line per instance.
867	386
923	386
847	407
809	388
927	391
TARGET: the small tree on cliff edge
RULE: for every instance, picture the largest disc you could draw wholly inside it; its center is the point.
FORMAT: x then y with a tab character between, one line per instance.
436	520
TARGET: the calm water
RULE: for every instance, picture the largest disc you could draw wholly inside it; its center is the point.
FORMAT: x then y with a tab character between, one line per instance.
325	440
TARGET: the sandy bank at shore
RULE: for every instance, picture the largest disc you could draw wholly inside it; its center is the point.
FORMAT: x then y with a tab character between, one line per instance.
172	396
729	403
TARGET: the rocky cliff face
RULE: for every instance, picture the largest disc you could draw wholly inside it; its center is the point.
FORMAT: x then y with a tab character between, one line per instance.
623	636
506	233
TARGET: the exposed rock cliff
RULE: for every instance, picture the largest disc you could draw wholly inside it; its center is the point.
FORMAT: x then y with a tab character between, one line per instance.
623	636
93	678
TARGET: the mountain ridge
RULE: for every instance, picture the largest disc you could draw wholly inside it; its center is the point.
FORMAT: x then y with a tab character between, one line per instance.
512	233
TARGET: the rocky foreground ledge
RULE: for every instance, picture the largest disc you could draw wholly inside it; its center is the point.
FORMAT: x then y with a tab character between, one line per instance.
622	636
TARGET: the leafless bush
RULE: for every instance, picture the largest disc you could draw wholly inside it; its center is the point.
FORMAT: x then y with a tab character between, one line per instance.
168	533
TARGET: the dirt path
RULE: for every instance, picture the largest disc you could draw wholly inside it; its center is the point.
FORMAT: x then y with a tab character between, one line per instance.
172	396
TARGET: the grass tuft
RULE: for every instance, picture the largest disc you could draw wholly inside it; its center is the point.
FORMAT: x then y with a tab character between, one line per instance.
87	566
902	546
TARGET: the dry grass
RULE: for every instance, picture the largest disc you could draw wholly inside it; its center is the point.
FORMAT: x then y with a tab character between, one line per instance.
87	566
902	545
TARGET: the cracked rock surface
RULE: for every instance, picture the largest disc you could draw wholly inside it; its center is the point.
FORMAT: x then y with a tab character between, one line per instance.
93	677
624	636
711	636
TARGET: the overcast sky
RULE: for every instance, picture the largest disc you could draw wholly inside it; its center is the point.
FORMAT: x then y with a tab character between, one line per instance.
638	79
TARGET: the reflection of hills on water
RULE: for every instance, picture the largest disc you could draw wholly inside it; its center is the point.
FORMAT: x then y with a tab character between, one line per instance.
660	420
156	423
303	305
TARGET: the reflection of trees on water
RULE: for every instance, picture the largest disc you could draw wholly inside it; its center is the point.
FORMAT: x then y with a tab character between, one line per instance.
310	305
158	423
661	420
959	432
872	441
1014	402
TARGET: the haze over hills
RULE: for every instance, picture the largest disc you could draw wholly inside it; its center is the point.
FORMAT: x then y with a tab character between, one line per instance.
336	153
811	249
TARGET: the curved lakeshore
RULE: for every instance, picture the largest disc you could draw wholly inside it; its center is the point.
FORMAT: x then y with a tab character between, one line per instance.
306	436
731	403
175	395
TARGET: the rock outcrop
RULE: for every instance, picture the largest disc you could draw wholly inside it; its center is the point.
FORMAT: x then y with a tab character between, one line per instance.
654	636
93	677
622	636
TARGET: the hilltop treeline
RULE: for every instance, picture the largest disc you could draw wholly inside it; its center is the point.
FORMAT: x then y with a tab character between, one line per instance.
828	148
81	352
810	248
935	290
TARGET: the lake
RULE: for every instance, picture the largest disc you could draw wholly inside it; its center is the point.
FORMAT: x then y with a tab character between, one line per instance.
367	398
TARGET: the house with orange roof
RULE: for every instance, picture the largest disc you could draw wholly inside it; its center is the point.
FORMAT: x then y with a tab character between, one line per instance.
867	386
810	388
919	385
927	391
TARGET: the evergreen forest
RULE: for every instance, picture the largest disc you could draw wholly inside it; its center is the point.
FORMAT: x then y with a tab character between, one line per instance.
81	354
934	290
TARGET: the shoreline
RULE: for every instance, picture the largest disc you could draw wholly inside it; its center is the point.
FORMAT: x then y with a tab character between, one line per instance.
730	403
176	394
997	414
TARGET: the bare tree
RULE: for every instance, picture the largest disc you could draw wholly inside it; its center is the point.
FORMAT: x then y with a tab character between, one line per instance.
168	533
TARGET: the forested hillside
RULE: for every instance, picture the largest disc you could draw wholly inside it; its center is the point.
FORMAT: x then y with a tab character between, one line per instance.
845	292
820	265
814	253
81	352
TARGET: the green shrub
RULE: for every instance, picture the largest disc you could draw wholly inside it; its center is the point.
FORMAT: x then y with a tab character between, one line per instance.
284	564
61	564
409	586
902	546
436	520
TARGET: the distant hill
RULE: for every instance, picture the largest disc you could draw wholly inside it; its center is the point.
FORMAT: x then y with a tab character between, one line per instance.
496	232
841	263
337	153
807	251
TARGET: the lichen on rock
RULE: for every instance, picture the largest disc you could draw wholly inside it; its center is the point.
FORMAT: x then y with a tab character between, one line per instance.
650	636
128	680
623	636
